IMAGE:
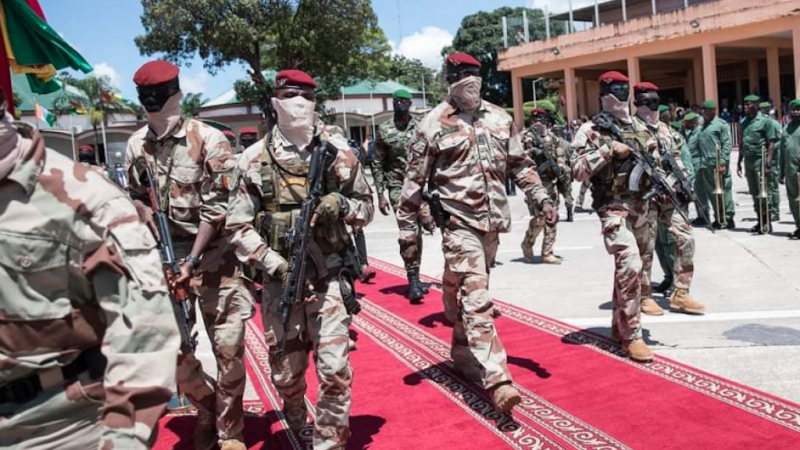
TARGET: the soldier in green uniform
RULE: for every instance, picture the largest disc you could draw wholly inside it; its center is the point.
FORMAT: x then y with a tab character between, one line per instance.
790	164
389	166
758	141
714	135
772	182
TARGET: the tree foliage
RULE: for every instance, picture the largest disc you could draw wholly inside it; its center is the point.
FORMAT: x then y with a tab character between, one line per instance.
414	74
191	104
336	41
481	35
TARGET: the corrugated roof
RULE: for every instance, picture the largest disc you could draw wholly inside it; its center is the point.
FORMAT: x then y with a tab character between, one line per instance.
361	88
23	90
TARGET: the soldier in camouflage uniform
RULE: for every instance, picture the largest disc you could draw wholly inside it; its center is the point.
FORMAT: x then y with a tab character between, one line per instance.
663	212
624	214
389	167
537	140
266	201
84	310
468	146
194	167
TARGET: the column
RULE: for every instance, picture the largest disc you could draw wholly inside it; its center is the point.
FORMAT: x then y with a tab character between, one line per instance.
697	72
689	94
774	78
796	46
752	75
634	74
710	72
572	96
739	91
581	92
516	98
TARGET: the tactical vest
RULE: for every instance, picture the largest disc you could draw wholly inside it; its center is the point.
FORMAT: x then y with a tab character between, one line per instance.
612	181
284	188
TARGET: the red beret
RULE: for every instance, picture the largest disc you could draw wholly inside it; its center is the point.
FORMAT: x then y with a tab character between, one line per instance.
299	78
457	59
645	86
538	111
248	130
228	133
86	149
612	77
156	72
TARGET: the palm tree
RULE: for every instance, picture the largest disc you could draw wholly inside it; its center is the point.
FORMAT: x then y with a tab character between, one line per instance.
191	104
103	100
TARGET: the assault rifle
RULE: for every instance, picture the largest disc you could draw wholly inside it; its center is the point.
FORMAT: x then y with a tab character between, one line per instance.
684	186
300	241
171	267
661	185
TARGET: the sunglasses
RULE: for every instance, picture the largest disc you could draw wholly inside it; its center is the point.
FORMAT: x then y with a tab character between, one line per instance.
462	73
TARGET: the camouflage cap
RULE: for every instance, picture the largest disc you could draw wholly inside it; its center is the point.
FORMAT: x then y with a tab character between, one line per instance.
401	94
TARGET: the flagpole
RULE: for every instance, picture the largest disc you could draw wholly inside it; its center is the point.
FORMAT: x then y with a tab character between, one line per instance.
344	111
424	99
72	136
105	143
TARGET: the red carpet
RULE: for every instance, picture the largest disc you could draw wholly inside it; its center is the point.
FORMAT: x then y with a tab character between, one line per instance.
577	391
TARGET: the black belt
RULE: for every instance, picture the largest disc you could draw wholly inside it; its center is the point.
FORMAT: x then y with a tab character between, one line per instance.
26	389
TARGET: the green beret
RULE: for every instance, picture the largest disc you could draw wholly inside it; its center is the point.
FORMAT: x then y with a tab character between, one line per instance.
794	104
709	104
763	105
690	117
676	125
751	98
402	93
662	108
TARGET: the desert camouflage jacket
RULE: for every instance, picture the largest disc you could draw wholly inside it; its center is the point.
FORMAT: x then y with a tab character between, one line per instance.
246	198
195	168
390	161
80	271
469	158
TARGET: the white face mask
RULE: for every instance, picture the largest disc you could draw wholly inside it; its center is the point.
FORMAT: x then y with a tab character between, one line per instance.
164	121
296	119
466	94
9	148
648	115
616	108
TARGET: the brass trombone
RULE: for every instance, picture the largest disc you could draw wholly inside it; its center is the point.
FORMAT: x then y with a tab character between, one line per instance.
719	191
763	195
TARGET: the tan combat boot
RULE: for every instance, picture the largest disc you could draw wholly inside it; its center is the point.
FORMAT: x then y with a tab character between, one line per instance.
638	350
232	444
505	397
205	432
651	308
550	259
681	301
527	252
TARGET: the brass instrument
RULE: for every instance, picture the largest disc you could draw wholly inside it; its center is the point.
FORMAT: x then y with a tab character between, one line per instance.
797	199
719	191
763	195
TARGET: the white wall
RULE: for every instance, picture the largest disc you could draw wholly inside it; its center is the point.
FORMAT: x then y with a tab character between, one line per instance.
79	122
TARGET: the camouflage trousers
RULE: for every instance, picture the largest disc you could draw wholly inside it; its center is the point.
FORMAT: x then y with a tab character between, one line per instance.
57	419
627	236
537	224
394	199
321	327
582	194
476	348
681	232
224	304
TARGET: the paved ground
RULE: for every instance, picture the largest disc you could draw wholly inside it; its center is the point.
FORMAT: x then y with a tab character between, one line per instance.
750	285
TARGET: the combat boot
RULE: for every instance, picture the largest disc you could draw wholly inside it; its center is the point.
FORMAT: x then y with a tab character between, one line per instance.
651	308
505	397
232	444
570	217
637	350
550	259
205	432
367	274
681	301
527	252
415	290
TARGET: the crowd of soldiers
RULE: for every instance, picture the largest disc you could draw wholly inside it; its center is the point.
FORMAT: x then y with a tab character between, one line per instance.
95	337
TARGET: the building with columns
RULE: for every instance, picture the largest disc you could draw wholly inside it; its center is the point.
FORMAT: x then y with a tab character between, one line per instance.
693	50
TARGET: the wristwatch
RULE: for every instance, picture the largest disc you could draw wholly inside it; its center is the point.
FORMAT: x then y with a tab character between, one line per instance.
194	260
